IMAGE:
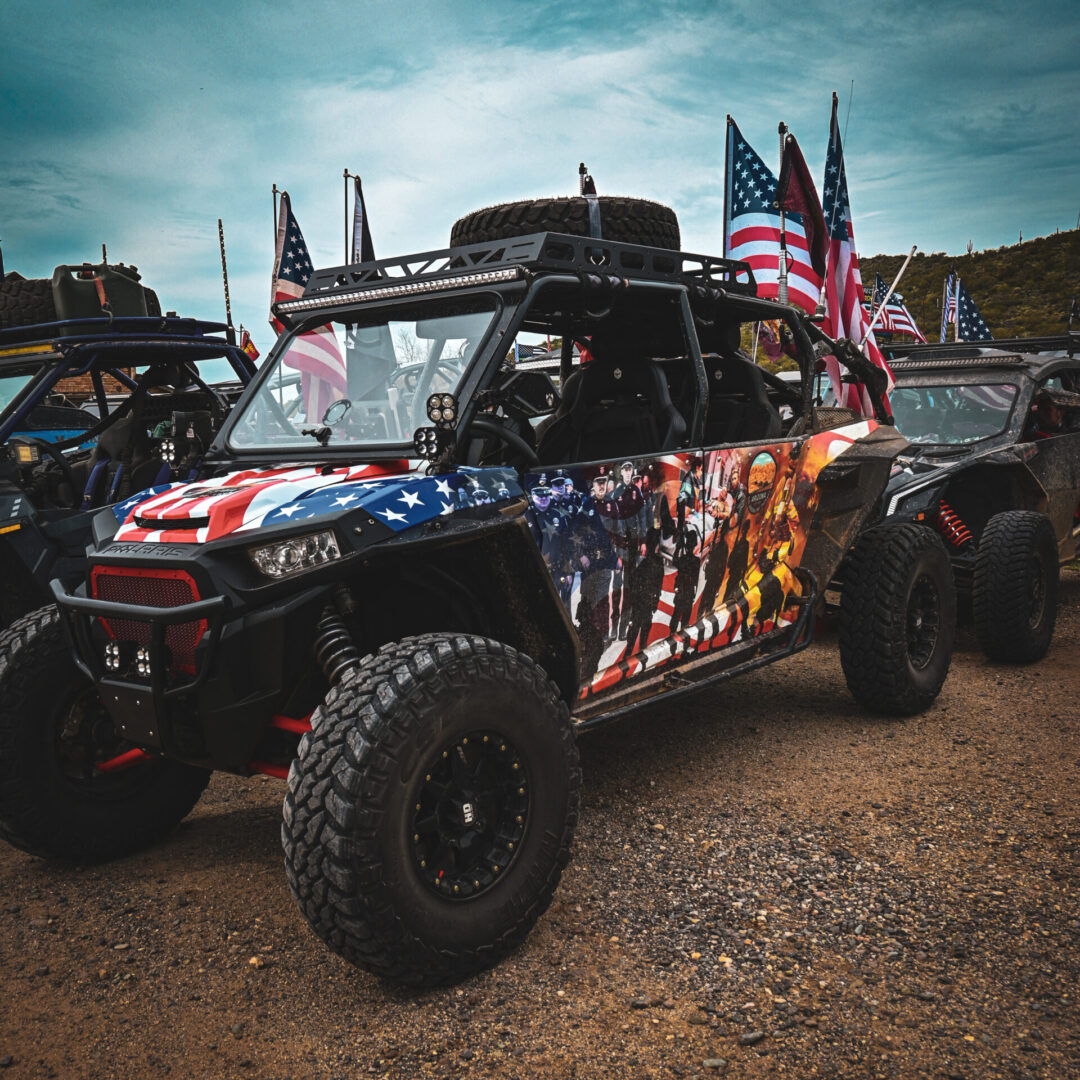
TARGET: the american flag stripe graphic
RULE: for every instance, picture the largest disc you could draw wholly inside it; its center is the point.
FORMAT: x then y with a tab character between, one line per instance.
753	227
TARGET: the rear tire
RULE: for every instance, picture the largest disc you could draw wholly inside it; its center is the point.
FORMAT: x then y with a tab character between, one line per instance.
396	864
53	731
1014	595
623	220
897	618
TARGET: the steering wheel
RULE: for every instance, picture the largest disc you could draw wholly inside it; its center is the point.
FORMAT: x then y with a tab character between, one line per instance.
505	435
58	457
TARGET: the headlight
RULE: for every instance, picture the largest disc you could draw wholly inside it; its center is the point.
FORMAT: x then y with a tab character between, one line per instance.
295	554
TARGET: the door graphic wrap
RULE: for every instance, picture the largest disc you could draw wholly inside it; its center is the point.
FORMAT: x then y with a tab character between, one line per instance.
663	559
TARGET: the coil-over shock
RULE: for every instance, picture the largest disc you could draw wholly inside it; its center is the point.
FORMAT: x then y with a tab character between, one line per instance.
334	649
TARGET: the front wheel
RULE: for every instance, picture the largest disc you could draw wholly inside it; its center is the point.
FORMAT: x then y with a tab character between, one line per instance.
55	799
897	618
1014	594
431	808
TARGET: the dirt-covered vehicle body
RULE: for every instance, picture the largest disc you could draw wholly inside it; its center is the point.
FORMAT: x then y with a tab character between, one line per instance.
408	603
994	465
60	462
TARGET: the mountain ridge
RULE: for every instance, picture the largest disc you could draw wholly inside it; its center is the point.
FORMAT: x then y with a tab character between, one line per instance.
1021	290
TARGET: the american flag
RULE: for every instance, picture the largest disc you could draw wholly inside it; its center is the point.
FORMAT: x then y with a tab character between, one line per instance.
752	226
314	353
969	323
895	318
948	304
844	313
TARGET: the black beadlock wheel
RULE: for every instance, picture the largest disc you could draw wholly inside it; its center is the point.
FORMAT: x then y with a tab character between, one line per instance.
54	733
897	618
623	220
430	810
1014	593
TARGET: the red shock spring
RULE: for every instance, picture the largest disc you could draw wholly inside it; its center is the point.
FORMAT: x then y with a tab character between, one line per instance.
952	527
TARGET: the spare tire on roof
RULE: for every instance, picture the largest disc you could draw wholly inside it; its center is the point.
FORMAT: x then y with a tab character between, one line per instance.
25	301
624	220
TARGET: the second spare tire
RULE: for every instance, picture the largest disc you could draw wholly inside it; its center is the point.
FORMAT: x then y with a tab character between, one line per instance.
623	220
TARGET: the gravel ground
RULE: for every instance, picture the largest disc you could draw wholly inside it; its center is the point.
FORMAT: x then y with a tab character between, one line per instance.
765	881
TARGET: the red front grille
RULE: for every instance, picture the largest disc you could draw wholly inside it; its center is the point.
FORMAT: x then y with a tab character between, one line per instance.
156	587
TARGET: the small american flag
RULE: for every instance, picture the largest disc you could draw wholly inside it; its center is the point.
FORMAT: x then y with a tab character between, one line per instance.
844	312
969	323
314	353
752	226
948	304
895	317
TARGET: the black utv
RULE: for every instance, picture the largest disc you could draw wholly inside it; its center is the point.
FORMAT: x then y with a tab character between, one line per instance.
994	466
96	403
408	602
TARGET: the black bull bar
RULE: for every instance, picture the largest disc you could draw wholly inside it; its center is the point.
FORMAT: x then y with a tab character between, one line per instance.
77	613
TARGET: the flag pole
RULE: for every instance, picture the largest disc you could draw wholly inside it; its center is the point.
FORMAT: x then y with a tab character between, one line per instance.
345	180
276	192
956	309
727	168
230	330
888	296
781	281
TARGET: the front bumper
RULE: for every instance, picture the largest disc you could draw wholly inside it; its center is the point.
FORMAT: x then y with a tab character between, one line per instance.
214	716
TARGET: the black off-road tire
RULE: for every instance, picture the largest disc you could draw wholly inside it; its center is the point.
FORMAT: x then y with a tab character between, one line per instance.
44	809
349	853
623	220
897	618
25	301
153	304
1014	594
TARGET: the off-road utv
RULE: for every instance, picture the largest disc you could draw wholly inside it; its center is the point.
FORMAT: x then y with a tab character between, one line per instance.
94	406
410	604
994	465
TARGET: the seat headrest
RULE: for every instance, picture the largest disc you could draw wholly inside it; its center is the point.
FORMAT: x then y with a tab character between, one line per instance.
627	378
734	375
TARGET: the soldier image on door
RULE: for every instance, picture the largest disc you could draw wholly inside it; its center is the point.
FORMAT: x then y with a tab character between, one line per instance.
645	551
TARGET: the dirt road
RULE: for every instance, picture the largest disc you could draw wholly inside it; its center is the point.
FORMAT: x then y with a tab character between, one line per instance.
765	882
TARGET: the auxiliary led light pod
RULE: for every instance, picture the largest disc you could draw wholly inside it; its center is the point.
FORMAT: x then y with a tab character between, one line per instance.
442	410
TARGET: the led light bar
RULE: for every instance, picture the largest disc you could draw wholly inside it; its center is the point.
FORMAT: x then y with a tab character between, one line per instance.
914	363
391	292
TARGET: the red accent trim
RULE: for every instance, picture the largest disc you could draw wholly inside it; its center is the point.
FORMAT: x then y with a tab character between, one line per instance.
951	526
290	723
149	573
124	761
264	767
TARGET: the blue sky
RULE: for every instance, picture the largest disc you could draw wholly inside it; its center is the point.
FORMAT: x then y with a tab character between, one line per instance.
140	124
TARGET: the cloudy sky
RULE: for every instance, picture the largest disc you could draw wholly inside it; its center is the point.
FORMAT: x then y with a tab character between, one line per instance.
140	124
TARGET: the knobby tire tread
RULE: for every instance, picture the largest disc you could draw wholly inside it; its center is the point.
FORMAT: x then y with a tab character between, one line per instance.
1001	591
333	806
35	818
872	627
622	220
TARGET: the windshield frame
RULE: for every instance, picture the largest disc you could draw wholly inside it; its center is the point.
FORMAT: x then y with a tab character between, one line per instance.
962	379
370	314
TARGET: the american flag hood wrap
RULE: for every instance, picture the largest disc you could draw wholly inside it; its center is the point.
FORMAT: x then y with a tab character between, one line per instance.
242	502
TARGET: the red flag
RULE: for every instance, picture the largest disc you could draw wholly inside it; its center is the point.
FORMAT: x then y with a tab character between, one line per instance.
795	192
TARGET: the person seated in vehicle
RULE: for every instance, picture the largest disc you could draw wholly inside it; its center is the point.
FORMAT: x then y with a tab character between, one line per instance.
1054	412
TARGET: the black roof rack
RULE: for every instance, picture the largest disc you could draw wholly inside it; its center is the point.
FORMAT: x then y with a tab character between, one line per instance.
508	260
